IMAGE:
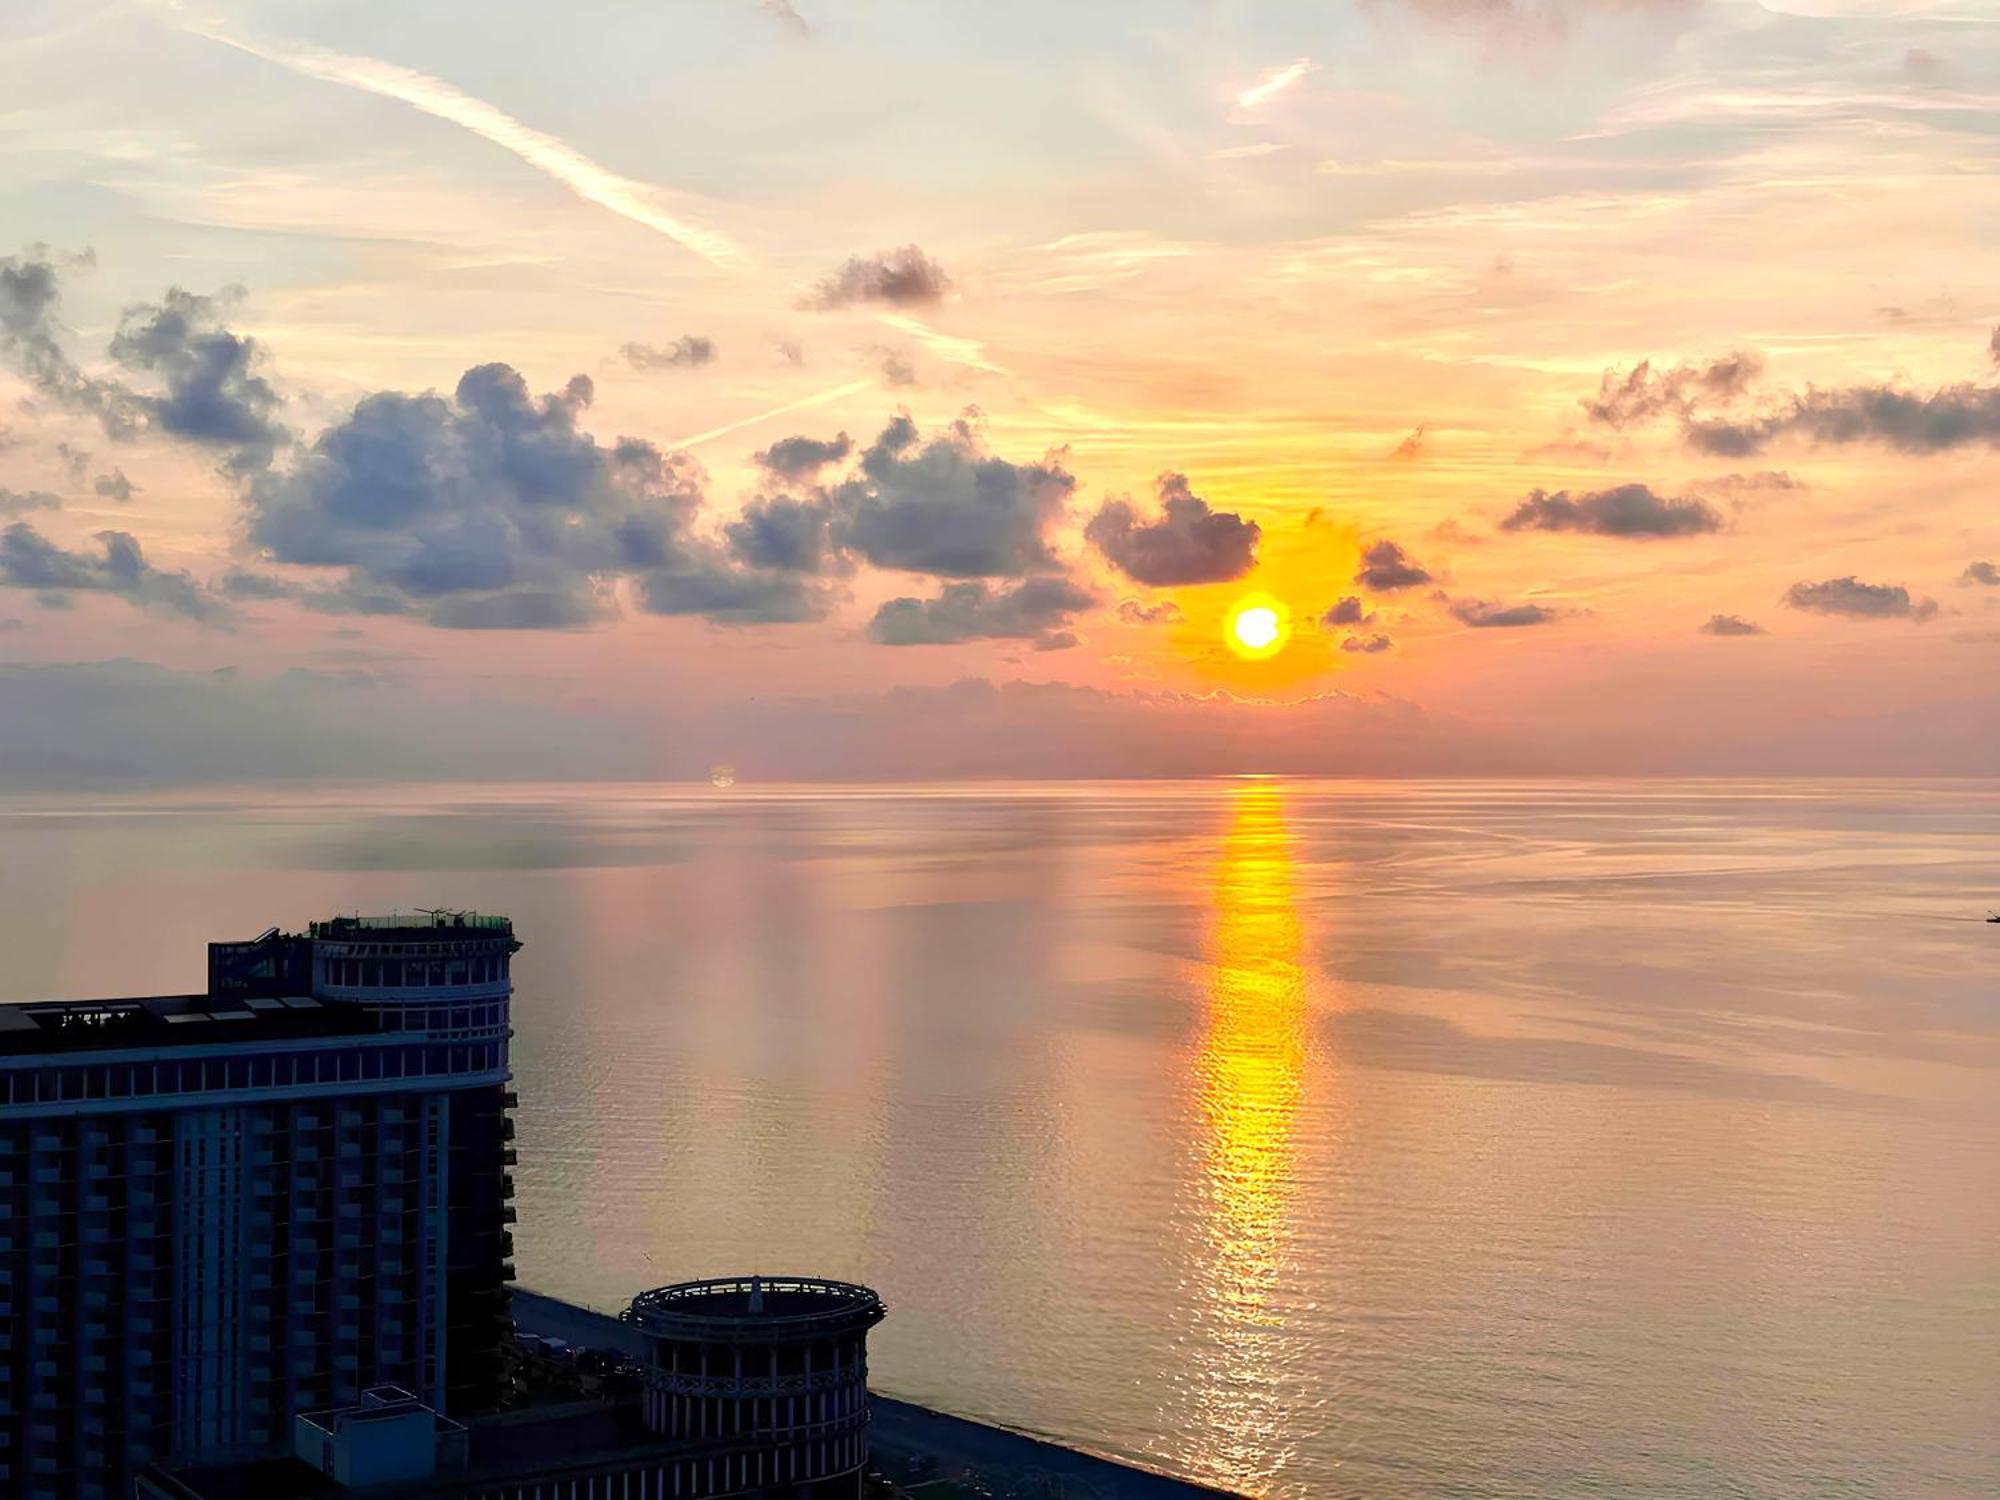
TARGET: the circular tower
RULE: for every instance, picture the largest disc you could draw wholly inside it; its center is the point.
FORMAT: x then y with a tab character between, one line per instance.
770	1370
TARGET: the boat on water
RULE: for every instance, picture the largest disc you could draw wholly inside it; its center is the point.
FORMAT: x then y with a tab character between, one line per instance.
1993	916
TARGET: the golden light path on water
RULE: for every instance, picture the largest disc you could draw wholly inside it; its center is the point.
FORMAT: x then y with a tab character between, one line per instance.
1248	1082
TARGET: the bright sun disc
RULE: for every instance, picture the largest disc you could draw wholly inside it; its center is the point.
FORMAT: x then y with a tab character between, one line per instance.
1257	627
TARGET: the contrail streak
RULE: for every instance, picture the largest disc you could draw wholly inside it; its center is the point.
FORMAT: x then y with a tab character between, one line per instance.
641	202
851	388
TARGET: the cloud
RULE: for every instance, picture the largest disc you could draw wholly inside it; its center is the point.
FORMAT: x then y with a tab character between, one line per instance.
1643	394
796	458
784	534
1411	448
213	395
1037	609
897	278
1274	81
1629	510
948	507
1478	614
1981	573
1857	600
898	372
20	502
641	202
28	560
1952	417
1347	611
786	15
115	486
1386	567
30	339
1367	644
1134	612
1993	346
1732	625
689	351
492	509
1189	543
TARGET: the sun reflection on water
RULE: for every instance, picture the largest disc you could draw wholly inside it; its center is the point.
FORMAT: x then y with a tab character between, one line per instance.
1248	1081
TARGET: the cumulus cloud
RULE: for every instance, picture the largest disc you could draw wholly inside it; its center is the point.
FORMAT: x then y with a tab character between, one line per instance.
1347	611
1188	543
31	341
948	507
1628	510
1731	625
689	351
20	502
492	508
115	486
784	534
897	278
1479	614
1955	416
1386	567
29	560
1984	573
1857	600
1367	644
1134	612
213	394
1643	393
1037	609
796	458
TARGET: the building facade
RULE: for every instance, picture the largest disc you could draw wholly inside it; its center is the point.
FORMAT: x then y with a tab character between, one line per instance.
218	1211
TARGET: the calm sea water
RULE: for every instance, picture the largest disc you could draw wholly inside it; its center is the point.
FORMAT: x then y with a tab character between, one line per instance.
1313	1138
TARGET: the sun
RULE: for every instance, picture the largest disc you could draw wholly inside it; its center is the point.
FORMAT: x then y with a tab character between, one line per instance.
1257	627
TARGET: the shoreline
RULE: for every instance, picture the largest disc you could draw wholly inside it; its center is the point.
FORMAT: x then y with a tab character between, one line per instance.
906	1437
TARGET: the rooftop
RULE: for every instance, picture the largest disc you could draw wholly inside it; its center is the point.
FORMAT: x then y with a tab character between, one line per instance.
168	1020
754	1307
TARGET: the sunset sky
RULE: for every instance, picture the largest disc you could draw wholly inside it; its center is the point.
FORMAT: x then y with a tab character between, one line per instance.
845	388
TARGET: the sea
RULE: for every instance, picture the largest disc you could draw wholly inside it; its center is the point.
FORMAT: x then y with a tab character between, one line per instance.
1309	1138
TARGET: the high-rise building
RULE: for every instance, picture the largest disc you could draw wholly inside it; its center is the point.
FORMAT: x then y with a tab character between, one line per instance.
219	1211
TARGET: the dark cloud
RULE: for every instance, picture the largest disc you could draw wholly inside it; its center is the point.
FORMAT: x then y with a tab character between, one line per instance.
948	507
20	502
1731	625
29	560
796	458
213	395
1981	573
689	351
1953	417
1368	644
1481	615
1133	612
1385	567
900	278
1037	609
783	534
31	340
1851	597
115	486
1347	611
1628	510
1189	543
493	509
1643	393
730	596
897	370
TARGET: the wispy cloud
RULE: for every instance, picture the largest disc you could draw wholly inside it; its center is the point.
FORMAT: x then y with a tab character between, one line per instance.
853	387
641	202
959	351
1275	81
